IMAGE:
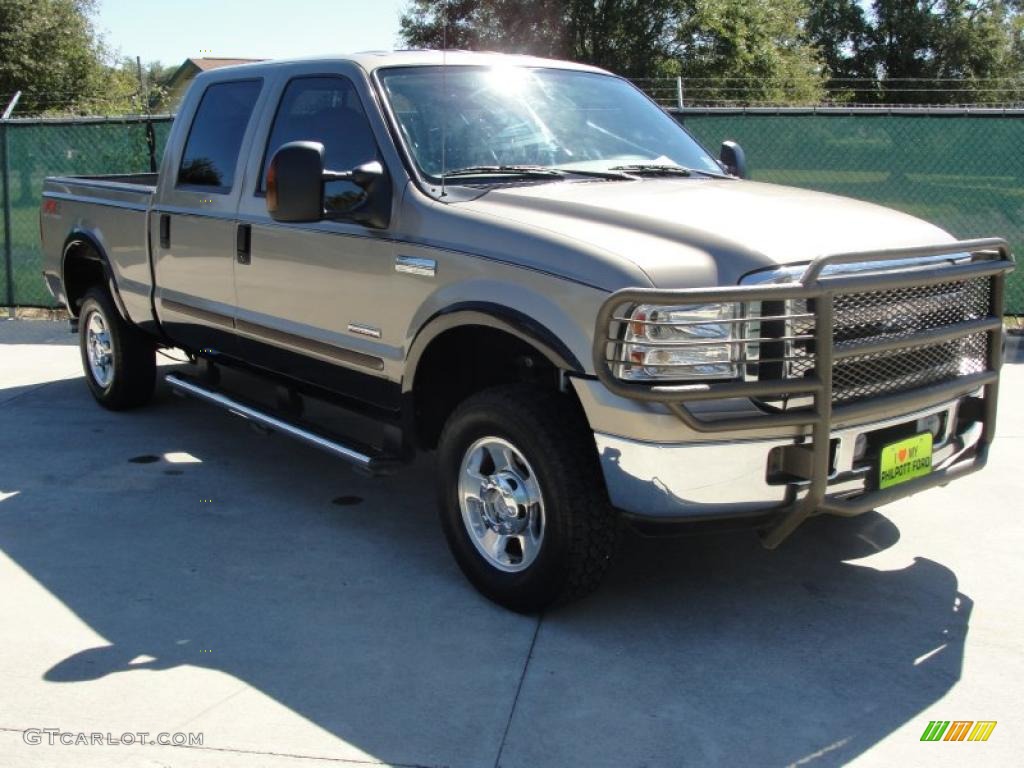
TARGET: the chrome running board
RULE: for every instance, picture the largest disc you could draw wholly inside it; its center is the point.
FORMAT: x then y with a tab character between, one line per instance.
363	461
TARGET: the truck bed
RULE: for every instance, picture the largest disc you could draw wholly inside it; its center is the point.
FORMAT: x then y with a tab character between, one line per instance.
126	187
115	210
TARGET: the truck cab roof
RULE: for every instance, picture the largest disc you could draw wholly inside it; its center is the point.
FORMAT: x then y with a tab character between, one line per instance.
370	61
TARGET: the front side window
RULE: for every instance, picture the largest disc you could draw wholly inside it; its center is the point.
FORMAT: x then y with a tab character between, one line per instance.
211	152
465	117
326	110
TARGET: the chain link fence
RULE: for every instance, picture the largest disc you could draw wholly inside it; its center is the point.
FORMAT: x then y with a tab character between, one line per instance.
30	150
961	169
755	91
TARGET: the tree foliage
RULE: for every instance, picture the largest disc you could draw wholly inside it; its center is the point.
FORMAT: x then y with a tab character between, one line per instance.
771	50
763	44
49	50
922	50
735	50
841	30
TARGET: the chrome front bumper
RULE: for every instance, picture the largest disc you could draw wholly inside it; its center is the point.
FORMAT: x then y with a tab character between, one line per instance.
706	480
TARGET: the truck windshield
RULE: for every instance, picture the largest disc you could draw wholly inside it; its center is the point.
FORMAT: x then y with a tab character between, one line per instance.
509	118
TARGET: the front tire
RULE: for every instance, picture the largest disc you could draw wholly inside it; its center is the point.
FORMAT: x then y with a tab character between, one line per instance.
118	359
522	499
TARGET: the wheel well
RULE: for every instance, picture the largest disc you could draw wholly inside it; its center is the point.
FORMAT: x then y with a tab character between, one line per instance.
83	269
465	360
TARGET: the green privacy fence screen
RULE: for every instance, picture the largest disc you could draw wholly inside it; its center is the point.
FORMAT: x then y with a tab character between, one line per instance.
33	149
959	169
962	170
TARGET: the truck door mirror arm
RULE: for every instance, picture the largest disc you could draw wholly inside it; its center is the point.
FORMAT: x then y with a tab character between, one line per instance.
295	187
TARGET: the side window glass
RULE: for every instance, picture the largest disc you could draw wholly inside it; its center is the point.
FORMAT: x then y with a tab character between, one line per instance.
327	110
211	152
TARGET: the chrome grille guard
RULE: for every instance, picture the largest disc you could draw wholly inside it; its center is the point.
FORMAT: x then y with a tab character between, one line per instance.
988	258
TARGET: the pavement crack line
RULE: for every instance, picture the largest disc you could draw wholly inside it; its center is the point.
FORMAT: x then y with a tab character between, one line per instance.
241	689
519	690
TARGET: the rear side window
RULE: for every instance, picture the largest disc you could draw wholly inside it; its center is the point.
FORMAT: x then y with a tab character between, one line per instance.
325	109
211	152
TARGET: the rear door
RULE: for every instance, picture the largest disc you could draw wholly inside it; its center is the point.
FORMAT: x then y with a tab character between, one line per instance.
193	224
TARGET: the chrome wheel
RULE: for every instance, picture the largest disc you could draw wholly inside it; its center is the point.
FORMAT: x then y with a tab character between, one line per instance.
99	349
501	503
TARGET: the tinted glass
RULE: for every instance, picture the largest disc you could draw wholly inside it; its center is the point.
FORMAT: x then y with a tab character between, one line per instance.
326	110
527	116
211	152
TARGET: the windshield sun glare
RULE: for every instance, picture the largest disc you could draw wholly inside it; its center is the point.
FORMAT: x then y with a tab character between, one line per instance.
478	117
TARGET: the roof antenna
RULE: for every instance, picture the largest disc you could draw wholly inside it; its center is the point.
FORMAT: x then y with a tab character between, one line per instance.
444	97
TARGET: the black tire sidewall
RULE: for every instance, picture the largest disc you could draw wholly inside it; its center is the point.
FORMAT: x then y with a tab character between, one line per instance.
535	586
133	355
97	302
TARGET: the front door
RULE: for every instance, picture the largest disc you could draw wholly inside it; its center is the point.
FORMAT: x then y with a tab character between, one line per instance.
312	298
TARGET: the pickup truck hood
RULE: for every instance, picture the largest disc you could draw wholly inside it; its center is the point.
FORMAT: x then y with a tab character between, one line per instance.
692	232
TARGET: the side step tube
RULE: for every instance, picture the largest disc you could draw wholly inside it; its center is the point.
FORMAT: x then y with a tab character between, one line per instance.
371	464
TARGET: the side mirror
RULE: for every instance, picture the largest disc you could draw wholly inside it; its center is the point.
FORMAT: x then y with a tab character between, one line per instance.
295	187
295	182
734	159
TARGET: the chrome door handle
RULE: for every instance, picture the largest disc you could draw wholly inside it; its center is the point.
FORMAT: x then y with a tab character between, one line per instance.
414	265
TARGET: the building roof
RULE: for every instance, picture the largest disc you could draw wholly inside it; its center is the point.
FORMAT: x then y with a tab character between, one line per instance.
212	62
192	67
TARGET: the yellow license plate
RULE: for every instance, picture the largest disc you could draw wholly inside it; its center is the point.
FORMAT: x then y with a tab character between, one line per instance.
905	460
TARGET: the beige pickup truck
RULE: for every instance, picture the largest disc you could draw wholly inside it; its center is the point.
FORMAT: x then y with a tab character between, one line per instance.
529	268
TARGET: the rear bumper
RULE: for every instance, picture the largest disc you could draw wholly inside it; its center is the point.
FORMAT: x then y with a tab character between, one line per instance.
713	480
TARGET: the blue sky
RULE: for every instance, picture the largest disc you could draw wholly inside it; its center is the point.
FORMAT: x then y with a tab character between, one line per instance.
173	31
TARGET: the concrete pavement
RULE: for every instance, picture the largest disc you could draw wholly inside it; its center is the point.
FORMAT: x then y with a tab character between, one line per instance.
169	570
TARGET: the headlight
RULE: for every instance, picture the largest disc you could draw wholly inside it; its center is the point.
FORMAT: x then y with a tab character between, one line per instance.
684	342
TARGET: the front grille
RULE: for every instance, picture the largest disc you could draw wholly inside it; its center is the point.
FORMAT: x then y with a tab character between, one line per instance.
906	311
872	316
860	377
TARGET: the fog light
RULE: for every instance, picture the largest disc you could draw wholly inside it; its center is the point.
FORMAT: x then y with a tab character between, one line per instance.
860	447
931	424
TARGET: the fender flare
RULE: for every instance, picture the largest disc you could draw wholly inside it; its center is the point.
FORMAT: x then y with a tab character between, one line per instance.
79	237
489	315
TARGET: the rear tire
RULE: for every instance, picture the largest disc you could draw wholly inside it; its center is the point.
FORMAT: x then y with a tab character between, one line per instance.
522	498
118	359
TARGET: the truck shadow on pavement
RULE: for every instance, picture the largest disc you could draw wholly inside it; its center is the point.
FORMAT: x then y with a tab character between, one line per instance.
225	551
727	654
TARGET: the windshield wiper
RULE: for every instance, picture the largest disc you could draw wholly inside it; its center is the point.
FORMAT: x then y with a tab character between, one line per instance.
664	169
526	171
535	171
610	173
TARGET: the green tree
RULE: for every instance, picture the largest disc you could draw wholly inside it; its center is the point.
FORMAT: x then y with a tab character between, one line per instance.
631	37
923	51
532	26
764	44
737	51
841	30
968	41
974	42
904	30
157	77
49	50
147	96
